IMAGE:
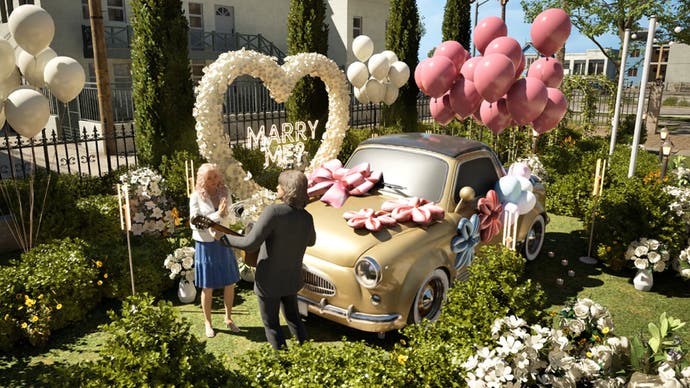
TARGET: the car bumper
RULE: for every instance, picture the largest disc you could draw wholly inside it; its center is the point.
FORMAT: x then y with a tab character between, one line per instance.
349	316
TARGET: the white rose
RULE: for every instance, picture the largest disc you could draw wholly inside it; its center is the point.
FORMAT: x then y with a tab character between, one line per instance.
189	275
641	263
685	273
653	257
188	262
666	373
603	355
581	310
176	268
587	367
641	251
576	327
660	266
653	244
596	310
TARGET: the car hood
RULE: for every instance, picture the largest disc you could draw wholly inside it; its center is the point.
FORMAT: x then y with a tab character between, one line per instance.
341	244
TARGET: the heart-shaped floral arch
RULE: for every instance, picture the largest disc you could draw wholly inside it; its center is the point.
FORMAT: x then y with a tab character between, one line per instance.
279	80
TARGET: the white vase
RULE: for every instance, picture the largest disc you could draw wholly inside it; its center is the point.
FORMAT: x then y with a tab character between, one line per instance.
643	280
186	291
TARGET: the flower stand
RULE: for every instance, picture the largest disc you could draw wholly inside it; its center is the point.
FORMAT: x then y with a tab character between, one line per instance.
643	280
186	291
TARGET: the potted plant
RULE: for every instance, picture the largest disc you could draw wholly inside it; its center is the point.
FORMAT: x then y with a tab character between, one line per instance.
647	255
181	264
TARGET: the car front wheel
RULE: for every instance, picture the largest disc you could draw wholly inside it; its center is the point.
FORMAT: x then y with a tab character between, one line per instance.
430	297
534	239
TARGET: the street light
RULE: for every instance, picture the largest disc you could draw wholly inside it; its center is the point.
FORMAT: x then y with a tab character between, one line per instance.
666	151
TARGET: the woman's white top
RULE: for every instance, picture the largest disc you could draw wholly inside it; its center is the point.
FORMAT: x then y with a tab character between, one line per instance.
204	207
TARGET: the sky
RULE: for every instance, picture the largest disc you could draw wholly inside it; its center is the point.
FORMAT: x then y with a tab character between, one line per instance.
431	12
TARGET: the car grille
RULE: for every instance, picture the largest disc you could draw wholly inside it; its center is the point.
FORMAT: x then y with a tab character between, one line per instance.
317	283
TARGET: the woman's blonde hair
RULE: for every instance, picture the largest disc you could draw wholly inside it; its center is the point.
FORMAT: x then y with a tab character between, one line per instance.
202	178
294	184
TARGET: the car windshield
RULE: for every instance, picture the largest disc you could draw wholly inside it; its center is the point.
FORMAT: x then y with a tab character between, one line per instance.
405	173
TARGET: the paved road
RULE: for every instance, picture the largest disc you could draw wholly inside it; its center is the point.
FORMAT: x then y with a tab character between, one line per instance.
677	119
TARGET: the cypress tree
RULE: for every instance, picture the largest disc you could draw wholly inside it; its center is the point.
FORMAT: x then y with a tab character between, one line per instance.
308	33
402	37
456	22
161	81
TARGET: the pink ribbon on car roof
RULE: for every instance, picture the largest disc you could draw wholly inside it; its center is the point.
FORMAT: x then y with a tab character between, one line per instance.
335	183
418	210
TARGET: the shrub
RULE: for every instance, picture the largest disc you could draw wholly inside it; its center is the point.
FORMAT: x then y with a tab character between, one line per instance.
173	171
496	288
150	345
354	136
51	286
253	162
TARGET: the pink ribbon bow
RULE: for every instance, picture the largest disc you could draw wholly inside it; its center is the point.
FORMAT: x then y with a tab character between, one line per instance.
418	210
369	219
336	183
490	210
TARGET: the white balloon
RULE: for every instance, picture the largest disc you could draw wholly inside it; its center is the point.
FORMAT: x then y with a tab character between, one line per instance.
520	169
32	28
392	57
362	47
357	74
361	95
399	73
378	66
526	202
525	184
65	78
391	94
375	90
27	111
32	67
9	84
7	61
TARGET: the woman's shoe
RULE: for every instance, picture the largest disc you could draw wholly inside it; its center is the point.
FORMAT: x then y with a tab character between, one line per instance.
231	325
209	332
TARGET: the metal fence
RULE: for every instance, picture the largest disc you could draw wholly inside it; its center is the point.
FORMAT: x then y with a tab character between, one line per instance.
78	146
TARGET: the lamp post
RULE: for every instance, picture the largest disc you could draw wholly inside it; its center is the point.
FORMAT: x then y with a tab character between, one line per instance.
663	134
666	151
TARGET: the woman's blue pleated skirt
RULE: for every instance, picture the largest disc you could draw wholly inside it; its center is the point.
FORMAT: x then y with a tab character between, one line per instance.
215	265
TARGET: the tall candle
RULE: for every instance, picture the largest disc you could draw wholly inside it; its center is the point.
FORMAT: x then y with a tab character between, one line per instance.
603	173
595	191
128	221
193	173
119	207
186	175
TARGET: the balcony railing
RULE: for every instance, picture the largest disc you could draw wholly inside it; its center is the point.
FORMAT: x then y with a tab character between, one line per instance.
119	38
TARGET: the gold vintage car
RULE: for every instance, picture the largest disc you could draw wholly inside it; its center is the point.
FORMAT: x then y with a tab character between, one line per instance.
381	281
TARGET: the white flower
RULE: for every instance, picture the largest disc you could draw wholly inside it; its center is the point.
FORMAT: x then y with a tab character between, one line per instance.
666	372
188	262
653	244
653	257
471	362
509	345
641	264
660	266
587	367
514	322
597	311
581	310
176	268
641	250
603	355
576	327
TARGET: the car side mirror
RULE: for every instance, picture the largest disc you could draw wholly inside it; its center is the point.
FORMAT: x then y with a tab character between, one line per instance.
466	198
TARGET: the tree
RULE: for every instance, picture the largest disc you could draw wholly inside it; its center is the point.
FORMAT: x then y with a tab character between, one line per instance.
402	37
456	22
595	18
308	33
161	81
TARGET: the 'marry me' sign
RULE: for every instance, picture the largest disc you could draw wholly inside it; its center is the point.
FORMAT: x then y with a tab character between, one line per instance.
284	146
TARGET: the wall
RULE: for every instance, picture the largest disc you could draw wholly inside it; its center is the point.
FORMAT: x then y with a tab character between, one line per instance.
678	64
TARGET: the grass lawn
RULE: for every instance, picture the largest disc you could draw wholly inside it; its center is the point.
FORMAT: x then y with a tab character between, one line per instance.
631	310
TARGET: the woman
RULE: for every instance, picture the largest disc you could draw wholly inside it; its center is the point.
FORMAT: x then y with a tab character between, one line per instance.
281	235
215	264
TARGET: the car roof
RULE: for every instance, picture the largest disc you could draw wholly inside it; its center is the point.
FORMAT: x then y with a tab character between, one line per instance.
452	146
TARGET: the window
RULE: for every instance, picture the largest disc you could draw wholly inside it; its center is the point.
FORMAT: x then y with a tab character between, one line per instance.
22	2
479	174
116	10
632	72
91	75
356	26
196	15
85	9
635	53
5	10
579	68
122	73
596	66
222	11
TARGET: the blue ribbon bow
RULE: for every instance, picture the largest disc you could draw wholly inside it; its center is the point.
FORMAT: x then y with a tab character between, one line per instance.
464	242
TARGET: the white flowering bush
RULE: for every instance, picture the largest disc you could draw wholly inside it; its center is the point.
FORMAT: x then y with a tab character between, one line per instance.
682	175
682	263
581	351
648	253
150	210
180	263
680	205
536	166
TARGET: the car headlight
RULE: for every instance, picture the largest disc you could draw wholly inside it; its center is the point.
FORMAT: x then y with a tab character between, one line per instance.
368	272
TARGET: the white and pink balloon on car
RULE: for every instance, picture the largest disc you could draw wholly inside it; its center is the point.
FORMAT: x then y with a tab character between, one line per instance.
489	87
24	107
376	77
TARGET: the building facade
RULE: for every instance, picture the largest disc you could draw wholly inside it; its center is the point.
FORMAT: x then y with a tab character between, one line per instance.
216	26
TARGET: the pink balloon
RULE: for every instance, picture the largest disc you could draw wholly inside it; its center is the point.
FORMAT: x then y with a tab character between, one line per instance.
507	46
438	75
553	112
487	30
467	70
493	76
526	99
495	115
550	29
418	75
548	70
441	110
464	99
521	67
453	51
